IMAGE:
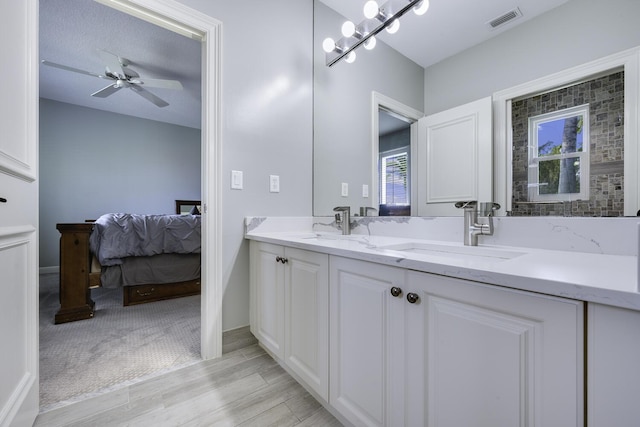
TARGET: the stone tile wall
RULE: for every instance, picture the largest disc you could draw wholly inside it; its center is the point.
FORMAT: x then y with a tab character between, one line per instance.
605	96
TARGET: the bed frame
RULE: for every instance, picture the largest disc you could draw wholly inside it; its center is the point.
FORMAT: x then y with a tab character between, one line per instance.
77	280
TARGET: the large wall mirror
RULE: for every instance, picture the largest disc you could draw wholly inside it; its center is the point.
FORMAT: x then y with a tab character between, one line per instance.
533	63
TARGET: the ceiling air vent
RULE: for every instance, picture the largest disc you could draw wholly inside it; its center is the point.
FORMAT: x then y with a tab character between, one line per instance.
503	19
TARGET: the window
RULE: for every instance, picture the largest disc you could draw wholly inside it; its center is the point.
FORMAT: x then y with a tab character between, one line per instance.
394	177
559	156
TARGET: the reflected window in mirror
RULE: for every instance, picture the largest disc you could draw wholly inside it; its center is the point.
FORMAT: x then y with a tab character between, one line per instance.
394	177
558	158
394	163
568	150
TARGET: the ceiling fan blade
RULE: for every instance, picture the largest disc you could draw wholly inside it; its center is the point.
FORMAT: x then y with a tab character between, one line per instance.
67	68
109	90
113	62
148	96
161	83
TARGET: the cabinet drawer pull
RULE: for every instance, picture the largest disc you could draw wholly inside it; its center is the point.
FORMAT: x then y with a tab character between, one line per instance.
395	291
412	298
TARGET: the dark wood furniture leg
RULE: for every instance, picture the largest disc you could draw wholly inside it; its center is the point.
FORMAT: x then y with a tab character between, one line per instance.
75	265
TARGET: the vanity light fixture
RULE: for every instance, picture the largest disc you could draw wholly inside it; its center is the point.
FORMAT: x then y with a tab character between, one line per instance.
377	18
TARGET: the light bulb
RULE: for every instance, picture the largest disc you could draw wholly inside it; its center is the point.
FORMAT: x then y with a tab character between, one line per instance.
370	43
371	9
350	57
328	45
348	29
393	28
421	8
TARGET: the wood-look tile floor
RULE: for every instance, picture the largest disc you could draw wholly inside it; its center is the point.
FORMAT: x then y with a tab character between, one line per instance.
245	387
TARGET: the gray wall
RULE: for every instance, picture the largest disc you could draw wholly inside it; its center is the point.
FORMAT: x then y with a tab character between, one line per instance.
575	33
266	124
94	162
342	112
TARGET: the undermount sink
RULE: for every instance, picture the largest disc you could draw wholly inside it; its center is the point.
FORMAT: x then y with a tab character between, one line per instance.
460	252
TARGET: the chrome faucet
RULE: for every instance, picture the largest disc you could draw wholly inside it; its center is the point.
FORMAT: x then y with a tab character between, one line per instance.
364	211
472	228
343	218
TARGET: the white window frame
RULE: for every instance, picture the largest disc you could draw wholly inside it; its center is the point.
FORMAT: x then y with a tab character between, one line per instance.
382	174
534	158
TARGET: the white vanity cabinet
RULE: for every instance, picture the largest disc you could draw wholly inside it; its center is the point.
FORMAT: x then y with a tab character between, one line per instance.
482	355
386	346
418	349
289	309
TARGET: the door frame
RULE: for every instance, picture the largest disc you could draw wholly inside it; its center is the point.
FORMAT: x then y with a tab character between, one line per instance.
183	20
412	115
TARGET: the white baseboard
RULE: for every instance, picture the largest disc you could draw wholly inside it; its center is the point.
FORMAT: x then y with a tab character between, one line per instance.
50	270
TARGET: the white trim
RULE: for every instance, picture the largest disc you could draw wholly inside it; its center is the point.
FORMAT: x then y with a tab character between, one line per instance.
379	100
630	60
184	20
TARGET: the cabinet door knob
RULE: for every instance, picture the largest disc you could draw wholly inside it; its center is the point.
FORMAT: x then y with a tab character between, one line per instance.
281	259
412	298
395	291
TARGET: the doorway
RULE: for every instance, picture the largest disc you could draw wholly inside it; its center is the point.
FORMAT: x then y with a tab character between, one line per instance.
180	19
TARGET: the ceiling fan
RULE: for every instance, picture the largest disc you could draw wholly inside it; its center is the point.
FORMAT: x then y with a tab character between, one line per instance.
117	69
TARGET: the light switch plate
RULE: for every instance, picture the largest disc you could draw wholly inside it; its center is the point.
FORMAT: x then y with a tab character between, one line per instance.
274	183
365	190
236	180
345	189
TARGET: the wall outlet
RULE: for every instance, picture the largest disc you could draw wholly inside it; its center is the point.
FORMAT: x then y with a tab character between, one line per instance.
236	180
365	190
345	189
274	183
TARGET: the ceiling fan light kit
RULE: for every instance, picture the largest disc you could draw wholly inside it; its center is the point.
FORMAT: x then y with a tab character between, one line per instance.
117	70
377	18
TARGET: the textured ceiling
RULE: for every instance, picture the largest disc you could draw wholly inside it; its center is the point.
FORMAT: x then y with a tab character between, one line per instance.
72	31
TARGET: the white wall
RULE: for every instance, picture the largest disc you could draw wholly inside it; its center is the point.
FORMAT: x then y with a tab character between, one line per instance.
267	84
94	162
575	33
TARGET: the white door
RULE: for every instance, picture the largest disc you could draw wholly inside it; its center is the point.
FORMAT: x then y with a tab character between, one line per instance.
454	158
19	214
366	335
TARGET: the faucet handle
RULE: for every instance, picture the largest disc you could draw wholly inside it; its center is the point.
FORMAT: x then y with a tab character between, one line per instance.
466	204
487	208
342	208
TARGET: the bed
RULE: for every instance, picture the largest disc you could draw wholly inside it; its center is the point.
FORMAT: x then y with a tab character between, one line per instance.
151	257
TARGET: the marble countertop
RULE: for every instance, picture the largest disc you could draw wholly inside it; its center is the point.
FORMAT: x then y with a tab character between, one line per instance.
600	278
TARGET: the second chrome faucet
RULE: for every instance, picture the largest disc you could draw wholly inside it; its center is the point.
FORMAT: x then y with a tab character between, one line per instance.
343	218
472	229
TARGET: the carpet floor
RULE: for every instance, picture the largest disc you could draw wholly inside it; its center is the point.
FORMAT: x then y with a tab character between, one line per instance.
117	347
